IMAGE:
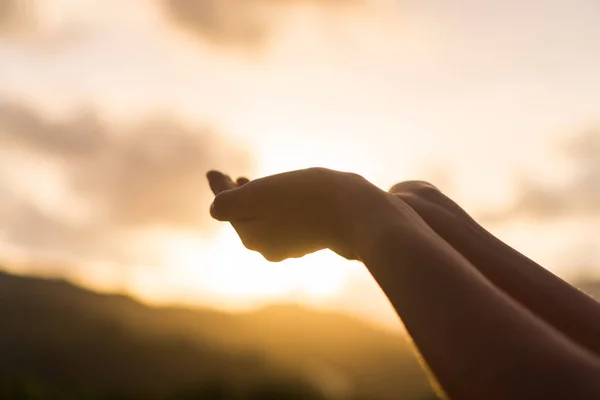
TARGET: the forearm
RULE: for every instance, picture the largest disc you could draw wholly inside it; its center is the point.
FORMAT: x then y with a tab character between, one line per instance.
476	340
563	306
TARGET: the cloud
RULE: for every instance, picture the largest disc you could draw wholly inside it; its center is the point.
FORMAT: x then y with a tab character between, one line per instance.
31	228
146	175
577	196
8	11
220	21
14	15
234	22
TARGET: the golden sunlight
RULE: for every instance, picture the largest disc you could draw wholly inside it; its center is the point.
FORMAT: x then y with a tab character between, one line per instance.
236	277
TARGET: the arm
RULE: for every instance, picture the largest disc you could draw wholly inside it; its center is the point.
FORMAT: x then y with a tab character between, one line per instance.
477	341
561	305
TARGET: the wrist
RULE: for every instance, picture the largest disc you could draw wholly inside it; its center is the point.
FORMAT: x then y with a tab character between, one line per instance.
389	217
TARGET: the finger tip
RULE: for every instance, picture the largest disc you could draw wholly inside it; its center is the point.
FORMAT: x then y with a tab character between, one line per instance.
211	174
242	181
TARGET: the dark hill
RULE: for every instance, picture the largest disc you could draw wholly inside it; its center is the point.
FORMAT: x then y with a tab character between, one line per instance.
61	341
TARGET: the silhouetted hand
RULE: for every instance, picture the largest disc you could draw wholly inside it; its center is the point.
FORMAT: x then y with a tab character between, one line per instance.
300	212
440	212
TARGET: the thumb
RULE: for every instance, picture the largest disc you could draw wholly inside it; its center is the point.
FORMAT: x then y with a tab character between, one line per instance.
227	205
219	181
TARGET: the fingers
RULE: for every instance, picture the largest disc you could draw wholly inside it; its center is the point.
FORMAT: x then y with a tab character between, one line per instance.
230	202
413	187
242	181
425	208
238	204
219	182
442	214
258	236
226	206
426	191
414	190
276	243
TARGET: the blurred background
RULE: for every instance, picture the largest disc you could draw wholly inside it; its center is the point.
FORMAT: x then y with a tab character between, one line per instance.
117	284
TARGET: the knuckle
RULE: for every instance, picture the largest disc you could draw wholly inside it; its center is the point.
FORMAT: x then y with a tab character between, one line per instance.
428	192
319	171
354	176
417	188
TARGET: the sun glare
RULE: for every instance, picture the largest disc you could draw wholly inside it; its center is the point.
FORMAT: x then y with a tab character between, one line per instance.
222	269
219	269
279	154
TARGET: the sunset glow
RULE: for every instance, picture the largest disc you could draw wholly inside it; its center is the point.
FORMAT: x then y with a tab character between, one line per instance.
235	274
112	111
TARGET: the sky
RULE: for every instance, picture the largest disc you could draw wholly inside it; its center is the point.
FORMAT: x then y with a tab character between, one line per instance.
111	111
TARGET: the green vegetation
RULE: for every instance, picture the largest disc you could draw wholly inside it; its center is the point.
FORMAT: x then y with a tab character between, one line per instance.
59	341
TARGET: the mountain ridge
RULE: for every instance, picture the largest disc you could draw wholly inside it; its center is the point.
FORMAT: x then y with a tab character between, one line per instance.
47	319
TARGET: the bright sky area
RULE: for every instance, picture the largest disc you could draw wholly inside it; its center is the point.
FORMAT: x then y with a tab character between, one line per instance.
497	103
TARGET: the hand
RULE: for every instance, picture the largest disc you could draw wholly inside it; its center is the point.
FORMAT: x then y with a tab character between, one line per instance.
443	215
300	212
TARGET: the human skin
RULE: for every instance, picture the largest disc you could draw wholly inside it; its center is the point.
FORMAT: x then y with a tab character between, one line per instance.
550	298
477	340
